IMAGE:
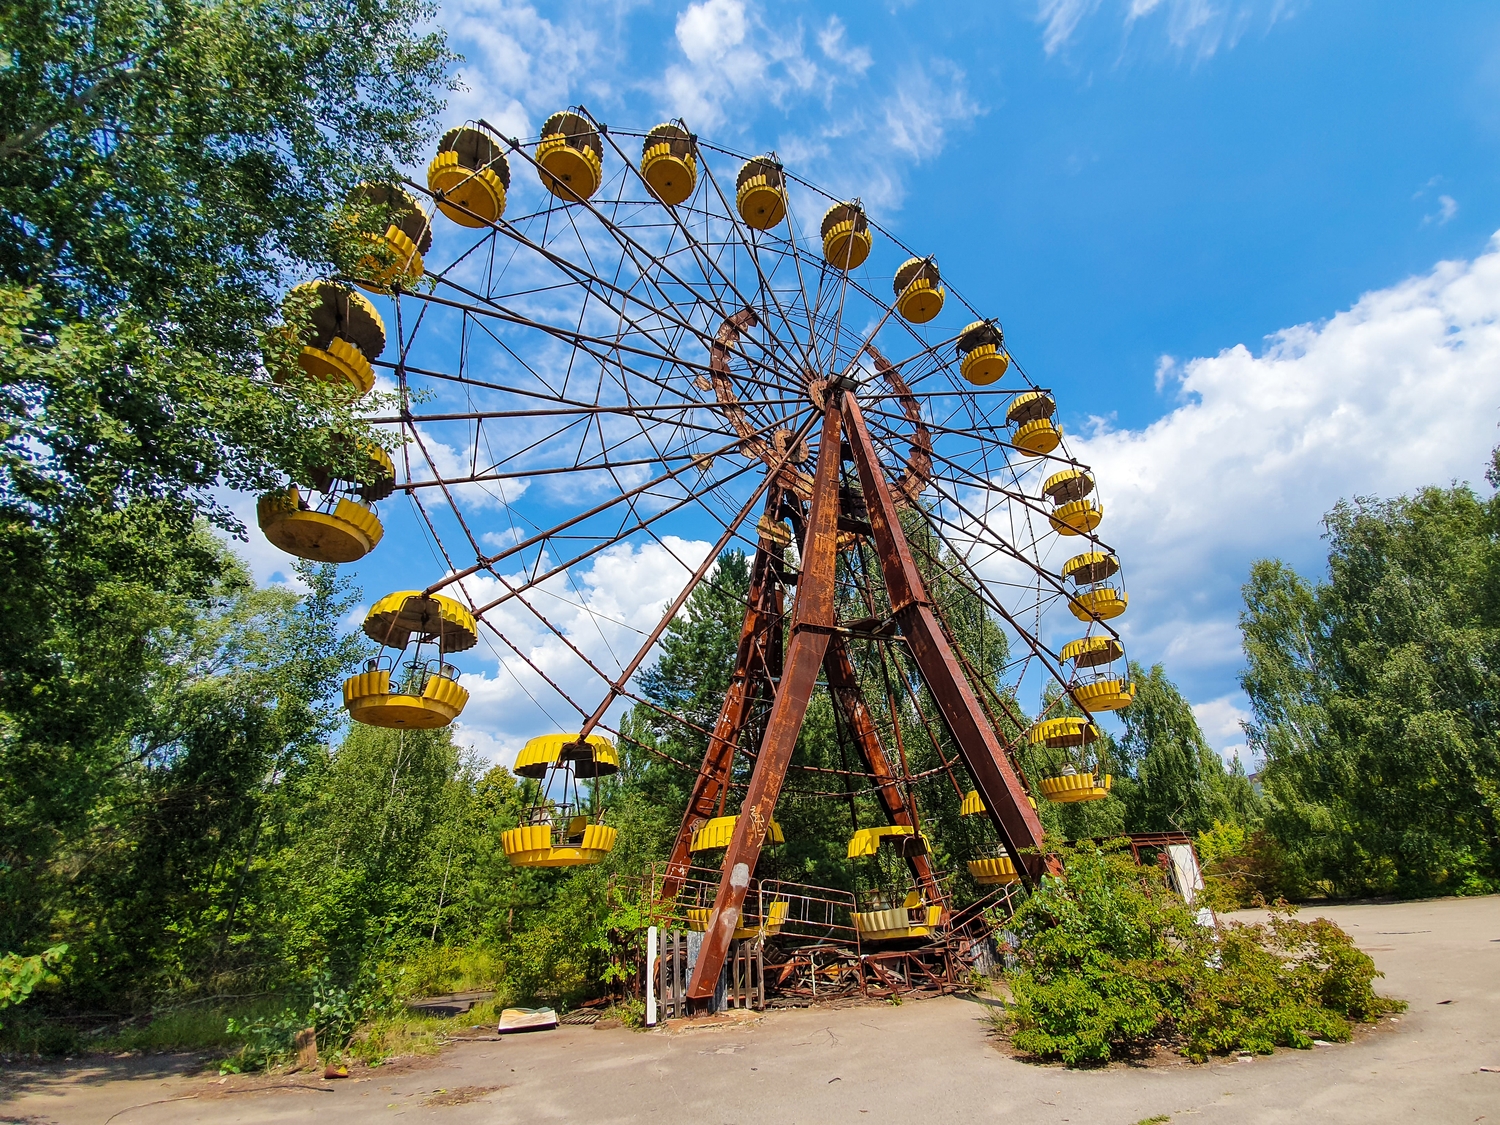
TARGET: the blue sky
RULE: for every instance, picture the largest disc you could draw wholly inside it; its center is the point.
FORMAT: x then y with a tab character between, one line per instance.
1248	243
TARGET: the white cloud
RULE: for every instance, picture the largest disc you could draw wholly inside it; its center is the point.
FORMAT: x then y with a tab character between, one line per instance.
919	112
519	65
1219	720
606	610
1196	27
1060	19
1397	392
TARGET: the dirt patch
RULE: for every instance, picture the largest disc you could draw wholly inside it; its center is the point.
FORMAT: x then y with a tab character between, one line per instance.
461	1095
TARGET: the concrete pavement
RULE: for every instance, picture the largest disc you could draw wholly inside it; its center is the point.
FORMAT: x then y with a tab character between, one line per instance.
920	1062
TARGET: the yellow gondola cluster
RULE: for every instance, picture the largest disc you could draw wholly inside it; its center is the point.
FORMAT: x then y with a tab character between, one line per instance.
559	833
423	692
342	333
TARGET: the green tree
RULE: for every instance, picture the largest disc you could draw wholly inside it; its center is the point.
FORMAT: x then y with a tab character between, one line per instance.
1180	781
1376	696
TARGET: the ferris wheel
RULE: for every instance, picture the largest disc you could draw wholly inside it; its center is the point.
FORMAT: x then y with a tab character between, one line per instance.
640	339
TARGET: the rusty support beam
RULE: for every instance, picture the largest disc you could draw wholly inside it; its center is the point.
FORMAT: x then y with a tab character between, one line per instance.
812	625
1015	821
839	670
750	662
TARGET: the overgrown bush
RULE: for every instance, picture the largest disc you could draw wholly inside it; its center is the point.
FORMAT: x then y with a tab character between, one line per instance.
1112	963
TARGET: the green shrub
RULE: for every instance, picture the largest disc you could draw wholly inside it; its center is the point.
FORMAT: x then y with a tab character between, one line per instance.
1111	963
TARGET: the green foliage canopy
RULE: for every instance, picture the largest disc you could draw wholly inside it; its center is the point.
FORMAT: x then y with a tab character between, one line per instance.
1376	696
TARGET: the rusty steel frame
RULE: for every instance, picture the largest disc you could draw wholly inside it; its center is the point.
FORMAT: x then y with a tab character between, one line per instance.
812	626
758	650
979	744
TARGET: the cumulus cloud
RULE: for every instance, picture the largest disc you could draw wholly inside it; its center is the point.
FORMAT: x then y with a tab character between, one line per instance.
1397	392
520	65
1221	721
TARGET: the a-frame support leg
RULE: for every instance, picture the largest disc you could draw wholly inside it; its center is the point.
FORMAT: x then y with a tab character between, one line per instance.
812	624
839	670
750	663
1015	820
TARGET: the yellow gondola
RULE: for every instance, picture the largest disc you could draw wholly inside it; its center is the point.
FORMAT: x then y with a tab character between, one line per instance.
555	834
1101	603
668	164
982	348
867	841
717	832
1073	788
1090	652
343	333
1112	694
469	176
919	290
373	479
1077	518
912	919
395	257
846	236
1065	730
1031	413
597	758
428	693
1091	567
346	532
751	925
994	871
760	193
575	842
973	804
570	157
